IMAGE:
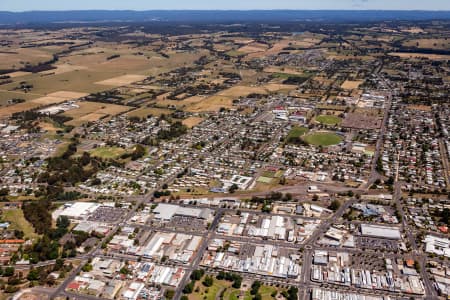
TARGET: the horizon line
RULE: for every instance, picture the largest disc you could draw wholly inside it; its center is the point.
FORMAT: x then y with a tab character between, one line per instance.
234	10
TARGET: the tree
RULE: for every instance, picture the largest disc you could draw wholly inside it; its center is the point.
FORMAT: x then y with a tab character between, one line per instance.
233	188
255	287
33	275
335	204
87	267
189	288
169	294
197	274
237	282
63	222
257	297
208	281
9	271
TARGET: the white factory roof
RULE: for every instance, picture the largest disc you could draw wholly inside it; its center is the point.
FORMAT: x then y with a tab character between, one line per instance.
380	231
77	210
167	211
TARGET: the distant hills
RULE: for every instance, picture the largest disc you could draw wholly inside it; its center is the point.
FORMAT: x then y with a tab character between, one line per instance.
229	16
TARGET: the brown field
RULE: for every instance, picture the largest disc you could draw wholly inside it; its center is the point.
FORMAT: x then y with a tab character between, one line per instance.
18	74
428	43
351	84
274	69
8	95
47	126
162	102
253	47
420	107
192	121
278	47
64	68
122	80
58	97
213	103
145	111
7	111
93	111
275	87
242	91
17	58
420	56
306	42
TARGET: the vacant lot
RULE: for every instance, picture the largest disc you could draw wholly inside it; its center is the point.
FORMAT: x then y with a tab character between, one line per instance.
108	152
420	107
323	139
214	103
351	84
192	121
17	220
362	120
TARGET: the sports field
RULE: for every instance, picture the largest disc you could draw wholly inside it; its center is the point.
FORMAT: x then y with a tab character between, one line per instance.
328	120
323	139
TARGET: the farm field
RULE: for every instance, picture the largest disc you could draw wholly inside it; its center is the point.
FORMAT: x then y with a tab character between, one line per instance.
323	139
146	111
58	97
433	43
122	80
408	55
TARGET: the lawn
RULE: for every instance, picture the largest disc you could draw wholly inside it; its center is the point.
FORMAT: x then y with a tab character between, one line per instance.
323	139
17	220
294	135
266	292
297	132
328	120
108	152
208	293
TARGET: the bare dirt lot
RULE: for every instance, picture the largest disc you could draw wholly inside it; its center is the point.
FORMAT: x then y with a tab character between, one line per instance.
351	84
192	121
122	80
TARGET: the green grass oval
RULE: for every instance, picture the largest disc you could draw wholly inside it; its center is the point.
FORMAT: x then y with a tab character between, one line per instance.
328	120
323	139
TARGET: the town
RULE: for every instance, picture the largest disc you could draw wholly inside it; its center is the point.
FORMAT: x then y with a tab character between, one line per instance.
239	163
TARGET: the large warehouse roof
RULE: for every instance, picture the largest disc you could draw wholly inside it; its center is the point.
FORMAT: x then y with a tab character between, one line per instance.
380	231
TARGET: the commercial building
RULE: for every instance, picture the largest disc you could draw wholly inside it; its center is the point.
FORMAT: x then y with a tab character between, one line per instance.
380	231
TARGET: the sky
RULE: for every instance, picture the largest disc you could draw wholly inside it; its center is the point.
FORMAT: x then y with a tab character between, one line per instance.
27	5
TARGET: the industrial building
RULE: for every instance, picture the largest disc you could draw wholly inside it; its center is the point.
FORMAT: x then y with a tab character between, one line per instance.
379	231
